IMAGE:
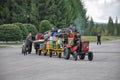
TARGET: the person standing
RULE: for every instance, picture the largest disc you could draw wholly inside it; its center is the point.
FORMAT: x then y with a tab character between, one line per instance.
98	39
28	43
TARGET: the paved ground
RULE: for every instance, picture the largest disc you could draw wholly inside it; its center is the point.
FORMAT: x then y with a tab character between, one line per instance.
105	66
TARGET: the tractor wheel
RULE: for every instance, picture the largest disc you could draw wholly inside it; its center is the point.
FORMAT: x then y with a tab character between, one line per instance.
59	55
36	51
82	56
50	54
39	52
75	55
45	54
67	53
90	56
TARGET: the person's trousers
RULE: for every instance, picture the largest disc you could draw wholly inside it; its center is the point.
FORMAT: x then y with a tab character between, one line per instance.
30	48
98	42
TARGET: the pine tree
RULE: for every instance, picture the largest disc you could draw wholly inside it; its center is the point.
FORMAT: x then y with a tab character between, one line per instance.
90	26
4	11
58	12
116	26
76	14
110	26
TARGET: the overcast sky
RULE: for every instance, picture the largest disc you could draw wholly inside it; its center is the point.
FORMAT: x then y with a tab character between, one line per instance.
100	10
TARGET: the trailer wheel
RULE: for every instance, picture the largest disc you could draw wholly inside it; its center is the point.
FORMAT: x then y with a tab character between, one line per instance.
66	53
82	56
90	56
45	54
75	55
39	52
59	55
50	54
36	51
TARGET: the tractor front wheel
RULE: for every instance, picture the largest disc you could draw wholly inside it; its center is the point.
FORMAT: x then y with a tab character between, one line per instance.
82	56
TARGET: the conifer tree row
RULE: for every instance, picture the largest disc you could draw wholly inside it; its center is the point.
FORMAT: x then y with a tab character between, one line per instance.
58	12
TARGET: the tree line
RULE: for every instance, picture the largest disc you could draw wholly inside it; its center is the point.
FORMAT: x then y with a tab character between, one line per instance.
45	14
108	29
59	12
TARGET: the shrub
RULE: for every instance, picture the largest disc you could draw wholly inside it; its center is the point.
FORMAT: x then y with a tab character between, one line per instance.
45	25
23	29
10	32
31	28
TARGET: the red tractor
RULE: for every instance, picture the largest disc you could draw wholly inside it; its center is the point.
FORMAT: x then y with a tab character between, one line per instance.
76	51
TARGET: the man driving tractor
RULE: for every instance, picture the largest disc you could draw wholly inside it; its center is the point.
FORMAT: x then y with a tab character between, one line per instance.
77	41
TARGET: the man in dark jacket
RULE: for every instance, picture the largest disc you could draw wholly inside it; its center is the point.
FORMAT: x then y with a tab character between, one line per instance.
77	41
77	38
98	39
28	43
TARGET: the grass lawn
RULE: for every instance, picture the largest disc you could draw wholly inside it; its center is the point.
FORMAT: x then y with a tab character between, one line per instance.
84	38
3	46
103	38
10	43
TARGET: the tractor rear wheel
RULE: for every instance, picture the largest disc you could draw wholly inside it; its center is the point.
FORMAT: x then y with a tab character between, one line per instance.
67	53
75	55
90	56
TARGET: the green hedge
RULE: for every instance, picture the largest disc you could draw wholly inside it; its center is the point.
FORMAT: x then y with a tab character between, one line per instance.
10	32
45	25
31	28
23	29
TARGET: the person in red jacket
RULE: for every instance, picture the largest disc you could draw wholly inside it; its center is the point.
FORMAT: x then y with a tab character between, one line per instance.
38	36
70	37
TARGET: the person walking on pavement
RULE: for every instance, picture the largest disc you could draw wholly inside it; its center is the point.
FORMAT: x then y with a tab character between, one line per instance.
28	43
98	39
